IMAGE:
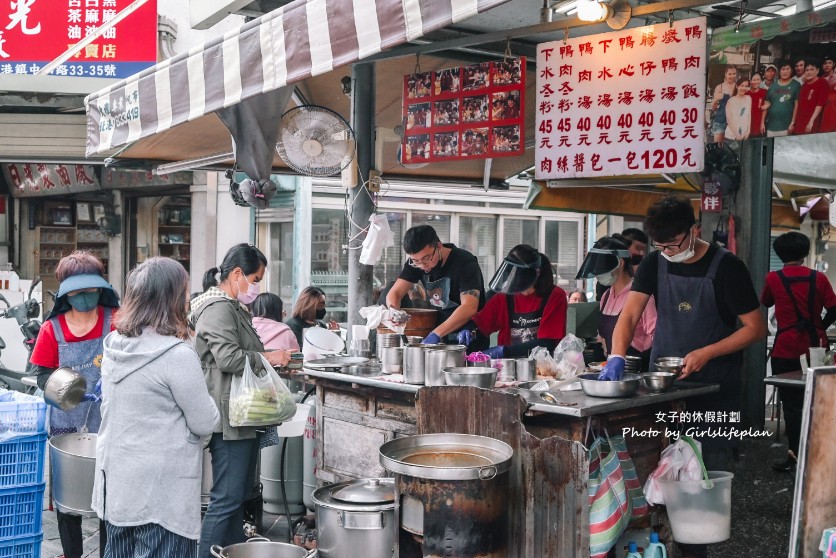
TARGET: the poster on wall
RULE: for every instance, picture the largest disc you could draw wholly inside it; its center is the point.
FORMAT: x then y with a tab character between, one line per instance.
622	103
470	112
35	32
773	78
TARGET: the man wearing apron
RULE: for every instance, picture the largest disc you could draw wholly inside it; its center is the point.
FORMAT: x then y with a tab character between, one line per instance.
528	310
85	299
701	291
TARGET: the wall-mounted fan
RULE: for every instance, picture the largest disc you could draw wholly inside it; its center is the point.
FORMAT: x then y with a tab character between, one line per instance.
315	141
722	165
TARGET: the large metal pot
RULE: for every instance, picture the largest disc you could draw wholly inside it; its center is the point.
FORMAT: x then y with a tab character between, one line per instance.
421	322
65	388
438	358
356	518
259	547
72	458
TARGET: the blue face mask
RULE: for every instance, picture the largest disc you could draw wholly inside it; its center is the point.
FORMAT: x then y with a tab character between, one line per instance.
84	301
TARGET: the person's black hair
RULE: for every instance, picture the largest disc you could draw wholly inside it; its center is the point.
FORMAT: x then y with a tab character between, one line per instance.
246	256
267	305
668	218
636	235
525	254
812	62
419	237
614	243
781	63
827	57
791	247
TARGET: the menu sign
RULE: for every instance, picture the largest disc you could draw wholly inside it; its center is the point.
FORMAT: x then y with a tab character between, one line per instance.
470	112
29	180
35	32
621	103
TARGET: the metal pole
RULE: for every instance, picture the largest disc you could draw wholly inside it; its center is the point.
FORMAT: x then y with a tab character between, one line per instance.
755	208
362	120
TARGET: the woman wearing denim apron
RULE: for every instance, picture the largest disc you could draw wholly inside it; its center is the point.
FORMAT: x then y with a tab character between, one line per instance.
72	337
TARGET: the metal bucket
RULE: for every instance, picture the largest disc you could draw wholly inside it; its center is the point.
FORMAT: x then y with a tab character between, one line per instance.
260	548
440	357
72	459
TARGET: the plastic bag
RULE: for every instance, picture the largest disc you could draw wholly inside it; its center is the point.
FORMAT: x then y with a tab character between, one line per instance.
569	357
377	239
259	400
392	318
544	362
678	462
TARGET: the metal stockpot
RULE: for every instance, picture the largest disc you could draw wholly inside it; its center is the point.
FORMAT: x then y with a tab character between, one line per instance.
356	518
413	365
72	458
260	547
438	358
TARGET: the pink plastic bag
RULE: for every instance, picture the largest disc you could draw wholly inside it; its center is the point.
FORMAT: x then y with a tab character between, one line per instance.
678	462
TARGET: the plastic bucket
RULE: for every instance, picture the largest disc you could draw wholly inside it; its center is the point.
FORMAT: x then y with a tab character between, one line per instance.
699	515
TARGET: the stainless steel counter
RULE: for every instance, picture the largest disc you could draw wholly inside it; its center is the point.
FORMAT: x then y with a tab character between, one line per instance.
570	403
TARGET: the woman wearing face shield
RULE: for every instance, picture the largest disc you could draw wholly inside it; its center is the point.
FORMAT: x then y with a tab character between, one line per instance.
609	261
72	336
528	310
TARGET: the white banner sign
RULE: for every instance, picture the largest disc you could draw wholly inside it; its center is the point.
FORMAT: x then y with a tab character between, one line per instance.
627	102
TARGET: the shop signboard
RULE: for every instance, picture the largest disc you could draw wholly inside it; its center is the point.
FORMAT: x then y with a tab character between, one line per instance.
35	32
470	112
32	180
118	179
622	103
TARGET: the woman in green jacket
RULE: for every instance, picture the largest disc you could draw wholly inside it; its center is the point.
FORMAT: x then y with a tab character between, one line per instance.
224	339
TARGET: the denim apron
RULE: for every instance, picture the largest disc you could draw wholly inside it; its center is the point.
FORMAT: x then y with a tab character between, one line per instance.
85	357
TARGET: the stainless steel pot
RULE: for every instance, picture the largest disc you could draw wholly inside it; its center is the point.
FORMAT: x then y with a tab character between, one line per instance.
447	456
72	458
391	359
259	547
526	369
356	518
413	365
440	357
65	388
507	368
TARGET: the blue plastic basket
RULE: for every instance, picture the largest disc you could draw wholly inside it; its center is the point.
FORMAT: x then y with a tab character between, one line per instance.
21	414
21	512
22	460
25	547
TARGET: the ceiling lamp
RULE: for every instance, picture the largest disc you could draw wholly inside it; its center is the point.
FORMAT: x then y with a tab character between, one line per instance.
617	13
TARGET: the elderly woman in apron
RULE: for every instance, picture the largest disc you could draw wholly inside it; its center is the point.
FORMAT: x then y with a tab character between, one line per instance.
528	310
72	337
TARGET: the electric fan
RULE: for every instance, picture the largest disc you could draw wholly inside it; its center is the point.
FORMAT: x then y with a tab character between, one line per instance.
722	165
315	141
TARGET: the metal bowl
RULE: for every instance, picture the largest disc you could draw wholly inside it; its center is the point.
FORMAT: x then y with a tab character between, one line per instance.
670	364
479	376
658	381
625	387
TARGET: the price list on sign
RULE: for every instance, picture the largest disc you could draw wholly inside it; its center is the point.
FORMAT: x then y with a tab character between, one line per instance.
627	102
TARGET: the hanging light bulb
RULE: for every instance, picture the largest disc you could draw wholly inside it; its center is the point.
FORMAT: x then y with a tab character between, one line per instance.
592	10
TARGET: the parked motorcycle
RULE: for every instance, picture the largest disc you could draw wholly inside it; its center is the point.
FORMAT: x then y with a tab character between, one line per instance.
26	314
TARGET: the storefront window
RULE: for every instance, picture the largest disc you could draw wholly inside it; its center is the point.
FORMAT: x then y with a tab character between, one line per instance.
329	265
561	247
441	223
477	235
391	263
281	262
519	231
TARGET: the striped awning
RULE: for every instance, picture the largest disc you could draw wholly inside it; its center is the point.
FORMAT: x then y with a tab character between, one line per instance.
303	39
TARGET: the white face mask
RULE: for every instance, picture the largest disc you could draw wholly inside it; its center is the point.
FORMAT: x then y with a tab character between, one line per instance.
607	279
682	256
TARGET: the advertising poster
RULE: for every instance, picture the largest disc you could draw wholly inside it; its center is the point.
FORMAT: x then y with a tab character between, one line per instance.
622	103
35	32
470	112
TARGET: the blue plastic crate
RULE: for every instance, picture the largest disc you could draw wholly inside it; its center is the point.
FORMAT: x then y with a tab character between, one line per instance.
21	512
21	414
24	547
22	460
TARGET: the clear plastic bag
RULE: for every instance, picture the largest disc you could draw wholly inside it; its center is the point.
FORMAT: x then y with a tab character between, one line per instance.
568	357
678	461
259	400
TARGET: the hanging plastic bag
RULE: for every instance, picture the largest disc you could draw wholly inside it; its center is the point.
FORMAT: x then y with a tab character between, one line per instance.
678	462
377	239
259	400
569	357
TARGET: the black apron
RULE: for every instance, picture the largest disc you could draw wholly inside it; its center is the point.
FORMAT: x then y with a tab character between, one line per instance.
606	328
802	323
688	319
523	326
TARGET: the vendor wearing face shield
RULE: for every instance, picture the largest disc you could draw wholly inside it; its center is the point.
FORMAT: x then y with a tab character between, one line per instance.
610	262
528	310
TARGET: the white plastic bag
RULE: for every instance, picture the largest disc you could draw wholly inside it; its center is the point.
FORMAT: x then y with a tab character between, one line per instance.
259	400
569	357
392	318
678	462
377	239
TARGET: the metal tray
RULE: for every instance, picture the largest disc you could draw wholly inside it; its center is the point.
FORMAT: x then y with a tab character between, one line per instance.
335	361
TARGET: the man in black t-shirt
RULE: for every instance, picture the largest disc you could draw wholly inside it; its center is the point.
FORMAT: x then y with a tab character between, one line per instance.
439	276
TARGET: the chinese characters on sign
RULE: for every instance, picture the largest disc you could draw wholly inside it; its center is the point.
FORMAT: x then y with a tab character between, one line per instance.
712	197
35	32
474	112
628	102
39	179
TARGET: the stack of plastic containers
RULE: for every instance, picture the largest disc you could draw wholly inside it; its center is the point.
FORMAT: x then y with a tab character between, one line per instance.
22	453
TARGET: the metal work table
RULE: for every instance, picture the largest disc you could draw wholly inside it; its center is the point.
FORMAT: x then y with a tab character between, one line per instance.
787	379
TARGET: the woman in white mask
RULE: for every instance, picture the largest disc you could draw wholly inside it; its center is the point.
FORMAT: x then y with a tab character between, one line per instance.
609	263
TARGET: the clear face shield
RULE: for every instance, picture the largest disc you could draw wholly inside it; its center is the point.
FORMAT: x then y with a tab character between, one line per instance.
599	261
513	277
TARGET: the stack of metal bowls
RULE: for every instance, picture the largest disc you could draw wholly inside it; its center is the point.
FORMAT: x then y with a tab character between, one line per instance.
385	340
633	365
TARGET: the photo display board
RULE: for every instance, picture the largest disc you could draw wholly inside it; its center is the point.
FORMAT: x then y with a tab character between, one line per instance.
622	103
469	112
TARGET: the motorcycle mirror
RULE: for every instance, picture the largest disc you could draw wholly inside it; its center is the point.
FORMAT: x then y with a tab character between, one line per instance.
34	284
3	299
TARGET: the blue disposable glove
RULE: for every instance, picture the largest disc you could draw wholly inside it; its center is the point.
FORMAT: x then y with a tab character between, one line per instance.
465	337
614	369
91	397
98	387
431	339
495	352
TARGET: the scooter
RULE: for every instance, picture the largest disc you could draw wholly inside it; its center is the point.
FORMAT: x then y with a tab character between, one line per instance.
26	314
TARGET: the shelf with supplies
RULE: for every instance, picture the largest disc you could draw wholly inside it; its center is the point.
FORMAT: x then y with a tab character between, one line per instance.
55	243
174	219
